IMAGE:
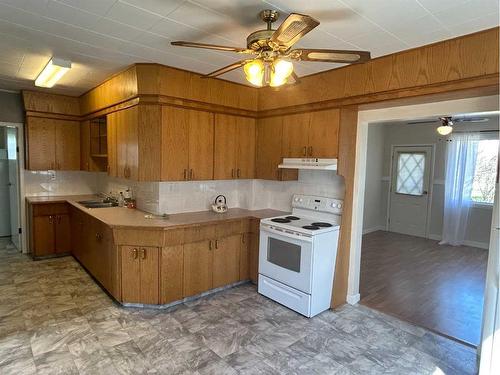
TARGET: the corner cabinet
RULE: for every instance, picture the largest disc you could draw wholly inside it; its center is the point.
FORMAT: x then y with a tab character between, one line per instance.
52	144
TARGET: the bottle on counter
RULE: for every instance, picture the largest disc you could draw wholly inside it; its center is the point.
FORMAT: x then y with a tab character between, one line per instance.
121	199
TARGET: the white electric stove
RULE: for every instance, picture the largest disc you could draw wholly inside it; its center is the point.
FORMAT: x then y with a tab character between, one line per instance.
297	254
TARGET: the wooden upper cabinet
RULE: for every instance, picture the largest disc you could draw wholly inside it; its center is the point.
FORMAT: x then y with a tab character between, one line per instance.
111	125
269	134
324	134
246	148
52	144
201	145
41	138
67	145
295	135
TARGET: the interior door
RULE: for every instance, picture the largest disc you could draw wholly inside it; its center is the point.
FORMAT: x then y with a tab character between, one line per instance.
409	196
4	194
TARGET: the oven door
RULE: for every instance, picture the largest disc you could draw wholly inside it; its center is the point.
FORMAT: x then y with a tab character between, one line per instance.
286	258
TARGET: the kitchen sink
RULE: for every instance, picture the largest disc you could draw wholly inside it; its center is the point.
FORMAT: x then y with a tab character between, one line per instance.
97	204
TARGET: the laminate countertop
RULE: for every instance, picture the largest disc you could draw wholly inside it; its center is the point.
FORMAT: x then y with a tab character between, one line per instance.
121	217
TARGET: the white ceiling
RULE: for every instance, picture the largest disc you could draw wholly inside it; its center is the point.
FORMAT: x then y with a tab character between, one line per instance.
101	37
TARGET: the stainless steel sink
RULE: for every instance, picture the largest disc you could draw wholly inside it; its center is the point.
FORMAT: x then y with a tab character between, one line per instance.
96	203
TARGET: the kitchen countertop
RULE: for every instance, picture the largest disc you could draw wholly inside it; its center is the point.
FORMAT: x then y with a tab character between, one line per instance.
120	217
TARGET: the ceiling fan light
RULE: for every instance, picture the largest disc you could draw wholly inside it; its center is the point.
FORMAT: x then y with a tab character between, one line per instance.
282	69
444	129
254	72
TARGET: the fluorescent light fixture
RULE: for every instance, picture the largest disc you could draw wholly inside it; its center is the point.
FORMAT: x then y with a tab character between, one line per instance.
52	72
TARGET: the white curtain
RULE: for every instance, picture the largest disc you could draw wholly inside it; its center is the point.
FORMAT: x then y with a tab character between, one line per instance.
460	166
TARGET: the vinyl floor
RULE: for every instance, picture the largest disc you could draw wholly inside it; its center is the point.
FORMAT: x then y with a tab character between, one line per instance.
437	287
55	320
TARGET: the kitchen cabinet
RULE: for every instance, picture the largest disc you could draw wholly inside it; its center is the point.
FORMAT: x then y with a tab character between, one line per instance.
269	150
234	147
140	274
50	230
93	145
187	144
171	273
198	267
124	143
52	144
226	260
311	134
245	256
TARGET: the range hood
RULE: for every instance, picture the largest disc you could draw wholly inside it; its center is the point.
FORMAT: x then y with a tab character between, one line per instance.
309	163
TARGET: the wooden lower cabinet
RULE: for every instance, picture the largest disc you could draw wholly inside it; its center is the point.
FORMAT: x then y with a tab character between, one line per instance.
226	261
140	274
198	267
43	243
171	273
50	230
245	256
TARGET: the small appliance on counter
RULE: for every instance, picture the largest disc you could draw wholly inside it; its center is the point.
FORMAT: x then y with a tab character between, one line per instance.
297	254
220	204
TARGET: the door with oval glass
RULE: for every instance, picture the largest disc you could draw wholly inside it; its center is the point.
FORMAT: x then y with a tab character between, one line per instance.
409	191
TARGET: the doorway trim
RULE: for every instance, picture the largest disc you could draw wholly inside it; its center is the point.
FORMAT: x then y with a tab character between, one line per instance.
395	113
431	184
20	170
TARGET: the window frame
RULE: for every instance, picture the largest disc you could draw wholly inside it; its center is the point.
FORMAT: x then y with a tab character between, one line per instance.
486	136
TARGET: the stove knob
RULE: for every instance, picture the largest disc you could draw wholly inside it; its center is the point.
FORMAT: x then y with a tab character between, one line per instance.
300	200
296	199
339	205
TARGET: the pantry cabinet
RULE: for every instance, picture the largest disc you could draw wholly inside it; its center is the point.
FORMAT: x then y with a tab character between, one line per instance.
234	147
140	274
187	144
52	144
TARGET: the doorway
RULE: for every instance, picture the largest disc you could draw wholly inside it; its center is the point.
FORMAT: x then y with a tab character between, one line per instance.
10	208
410	191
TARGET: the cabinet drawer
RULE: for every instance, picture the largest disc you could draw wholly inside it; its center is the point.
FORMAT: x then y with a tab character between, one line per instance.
229	228
173	237
200	233
50	209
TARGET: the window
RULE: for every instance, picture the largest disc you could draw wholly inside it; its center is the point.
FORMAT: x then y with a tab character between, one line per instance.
483	185
410	174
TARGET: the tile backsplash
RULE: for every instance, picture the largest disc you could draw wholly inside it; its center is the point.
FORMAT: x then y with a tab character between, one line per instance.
175	197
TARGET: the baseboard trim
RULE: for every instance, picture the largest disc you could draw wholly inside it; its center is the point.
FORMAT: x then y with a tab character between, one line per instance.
353	299
374	229
480	245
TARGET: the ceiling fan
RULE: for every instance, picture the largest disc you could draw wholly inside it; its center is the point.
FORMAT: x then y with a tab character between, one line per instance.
447	122
273	62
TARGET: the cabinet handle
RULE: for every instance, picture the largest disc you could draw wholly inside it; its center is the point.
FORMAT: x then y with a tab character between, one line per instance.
191	174
304	151
143	253
243	238
134	253
310	150
50	219
210	245
185	174
232	173
216	244
238	173
98	236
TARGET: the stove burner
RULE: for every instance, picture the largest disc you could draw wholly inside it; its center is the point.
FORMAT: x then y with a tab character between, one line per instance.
281	220
292	217
311	227
322	225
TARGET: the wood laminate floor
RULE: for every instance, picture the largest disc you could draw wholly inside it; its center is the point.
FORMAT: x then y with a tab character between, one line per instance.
437	287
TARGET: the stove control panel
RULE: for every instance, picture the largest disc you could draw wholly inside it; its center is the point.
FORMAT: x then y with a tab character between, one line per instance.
316	203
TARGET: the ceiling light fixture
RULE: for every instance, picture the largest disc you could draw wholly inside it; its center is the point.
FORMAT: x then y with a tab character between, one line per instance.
254	72
268	71
52	72
446	126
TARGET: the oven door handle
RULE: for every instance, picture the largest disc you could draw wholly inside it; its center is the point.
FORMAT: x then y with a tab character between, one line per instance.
284	233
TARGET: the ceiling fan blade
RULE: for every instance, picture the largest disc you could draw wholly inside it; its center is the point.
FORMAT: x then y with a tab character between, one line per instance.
212	46
226	69
471	119
294	27
330	55
423	122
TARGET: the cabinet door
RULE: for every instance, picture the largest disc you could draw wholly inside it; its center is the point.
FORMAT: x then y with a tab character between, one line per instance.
131	274
175	143
269	133
150	280
43	235
295	135
324	134
62	234
121	144
201	145
131	127
76	232
226	147
171	273
246	148
85	146
226	269
41	137
244	256
67	145
111	125
197	268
